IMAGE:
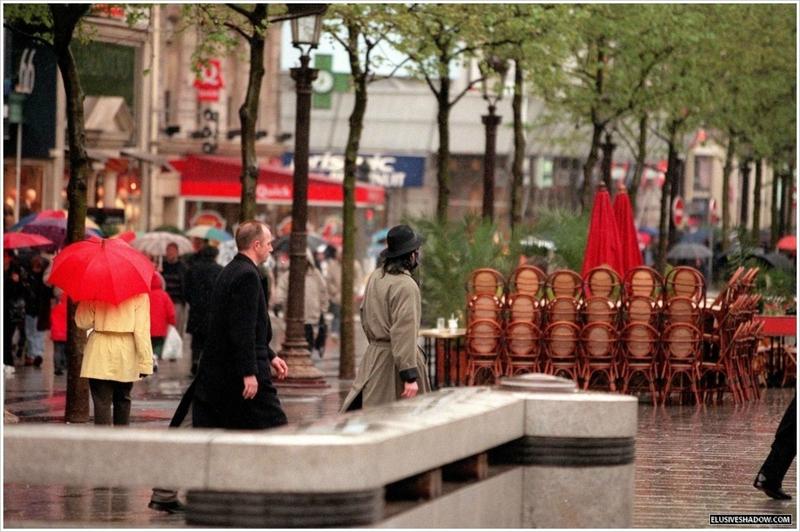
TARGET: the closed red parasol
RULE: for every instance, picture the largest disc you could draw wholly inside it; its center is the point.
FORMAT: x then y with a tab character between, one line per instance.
602	242
103	270
631	257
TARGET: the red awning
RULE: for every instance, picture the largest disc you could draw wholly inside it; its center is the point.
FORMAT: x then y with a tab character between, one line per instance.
211	177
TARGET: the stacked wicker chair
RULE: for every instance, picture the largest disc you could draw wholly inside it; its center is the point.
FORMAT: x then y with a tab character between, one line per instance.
602	293
639	336
561	330
524	309
484	340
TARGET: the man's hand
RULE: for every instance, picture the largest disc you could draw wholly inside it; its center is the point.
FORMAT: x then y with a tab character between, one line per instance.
280	368
410	389
250	387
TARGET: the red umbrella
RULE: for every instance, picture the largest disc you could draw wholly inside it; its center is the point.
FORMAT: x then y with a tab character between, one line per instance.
24	240
127	236
103	270
631	257
602	242
788	243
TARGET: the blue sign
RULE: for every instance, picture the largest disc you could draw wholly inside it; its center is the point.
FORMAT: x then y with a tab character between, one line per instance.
386	170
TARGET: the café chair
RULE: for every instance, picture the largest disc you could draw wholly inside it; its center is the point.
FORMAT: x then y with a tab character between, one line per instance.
681	347
484	350
639	347
564	283
599	350
562	349
523	347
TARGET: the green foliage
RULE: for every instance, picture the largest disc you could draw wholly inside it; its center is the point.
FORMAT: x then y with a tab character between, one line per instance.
567	230
450	253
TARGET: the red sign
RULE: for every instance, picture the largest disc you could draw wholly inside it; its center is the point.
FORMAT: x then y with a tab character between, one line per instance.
677	210
209	81
206	177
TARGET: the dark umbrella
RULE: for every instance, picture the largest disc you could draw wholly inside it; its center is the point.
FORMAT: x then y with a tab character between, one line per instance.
623	214
686	251
602	241
776	260
312	242
701	236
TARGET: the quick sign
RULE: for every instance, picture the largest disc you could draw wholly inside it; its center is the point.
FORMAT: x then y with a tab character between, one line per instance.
385	170
209	82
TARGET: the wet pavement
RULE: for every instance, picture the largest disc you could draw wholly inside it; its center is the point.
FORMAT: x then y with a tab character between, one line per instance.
690	461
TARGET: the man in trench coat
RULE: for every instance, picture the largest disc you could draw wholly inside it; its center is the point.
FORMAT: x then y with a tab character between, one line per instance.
393	366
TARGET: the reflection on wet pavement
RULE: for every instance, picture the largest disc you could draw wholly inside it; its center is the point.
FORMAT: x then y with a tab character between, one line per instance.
690	461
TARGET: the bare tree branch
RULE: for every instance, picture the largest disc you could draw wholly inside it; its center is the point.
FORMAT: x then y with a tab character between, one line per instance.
466	90
249	15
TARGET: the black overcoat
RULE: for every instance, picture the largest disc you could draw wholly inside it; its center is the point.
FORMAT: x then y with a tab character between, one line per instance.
239	332
198	287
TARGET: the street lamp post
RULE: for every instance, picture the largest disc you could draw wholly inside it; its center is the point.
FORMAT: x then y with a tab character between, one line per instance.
295	349
493	71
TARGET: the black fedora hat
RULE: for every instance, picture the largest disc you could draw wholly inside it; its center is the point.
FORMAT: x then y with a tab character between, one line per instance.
400	240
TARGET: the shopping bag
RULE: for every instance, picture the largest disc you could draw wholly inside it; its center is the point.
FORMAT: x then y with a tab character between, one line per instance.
173	345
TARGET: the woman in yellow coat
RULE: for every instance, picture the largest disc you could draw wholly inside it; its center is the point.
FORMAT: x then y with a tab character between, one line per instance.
118	353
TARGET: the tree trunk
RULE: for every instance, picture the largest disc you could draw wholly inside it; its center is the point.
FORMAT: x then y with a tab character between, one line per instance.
787	202
65	19
608	160
726	185
248	115
443	170
641	158
347	360
519	148
744	207
756	233
674	189
775	224
588	167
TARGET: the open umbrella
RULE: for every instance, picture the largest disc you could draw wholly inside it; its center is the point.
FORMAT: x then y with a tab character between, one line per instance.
602	242
100	269
58	214
54	229
623	214
155	243
24	240
209	232
689	251
312	242
788	243
127	236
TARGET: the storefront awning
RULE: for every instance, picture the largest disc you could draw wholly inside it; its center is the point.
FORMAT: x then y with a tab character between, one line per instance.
217	178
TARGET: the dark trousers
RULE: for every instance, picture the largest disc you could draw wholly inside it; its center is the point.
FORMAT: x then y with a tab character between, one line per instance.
106	394
8	345
784	448
198	344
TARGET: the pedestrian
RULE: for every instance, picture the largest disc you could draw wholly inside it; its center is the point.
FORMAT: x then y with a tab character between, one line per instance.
38	299
393	366
13	312
784	448
333	281
118	353
173	270
315	303
233	387
58	332
162	315
199	284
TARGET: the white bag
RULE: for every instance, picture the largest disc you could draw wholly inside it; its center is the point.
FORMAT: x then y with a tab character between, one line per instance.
173	345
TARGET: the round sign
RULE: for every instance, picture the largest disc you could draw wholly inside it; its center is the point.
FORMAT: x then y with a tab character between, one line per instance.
323	83
677	210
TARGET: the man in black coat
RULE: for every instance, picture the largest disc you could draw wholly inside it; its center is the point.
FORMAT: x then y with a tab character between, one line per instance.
784	448
233	387
199	285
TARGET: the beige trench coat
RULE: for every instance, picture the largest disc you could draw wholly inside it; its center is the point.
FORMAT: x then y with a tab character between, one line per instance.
390	317
119	347
316	294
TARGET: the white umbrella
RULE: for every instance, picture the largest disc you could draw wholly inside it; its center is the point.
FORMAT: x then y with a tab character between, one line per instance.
155	243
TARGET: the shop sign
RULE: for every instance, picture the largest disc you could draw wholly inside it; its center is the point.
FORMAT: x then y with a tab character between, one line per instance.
208	217
385	170
209	81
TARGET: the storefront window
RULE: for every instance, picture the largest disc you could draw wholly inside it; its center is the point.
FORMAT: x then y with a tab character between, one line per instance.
31	177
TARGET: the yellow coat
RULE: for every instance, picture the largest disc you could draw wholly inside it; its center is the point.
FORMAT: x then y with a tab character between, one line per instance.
119	347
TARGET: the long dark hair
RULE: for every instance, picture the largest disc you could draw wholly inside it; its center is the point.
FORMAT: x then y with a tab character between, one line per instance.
397	265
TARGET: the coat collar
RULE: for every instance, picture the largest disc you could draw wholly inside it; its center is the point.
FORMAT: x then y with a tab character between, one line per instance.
245	259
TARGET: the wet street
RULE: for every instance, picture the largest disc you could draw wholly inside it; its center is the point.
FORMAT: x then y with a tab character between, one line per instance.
690	461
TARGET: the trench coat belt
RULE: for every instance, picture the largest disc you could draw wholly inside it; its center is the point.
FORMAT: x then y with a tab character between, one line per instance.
381	343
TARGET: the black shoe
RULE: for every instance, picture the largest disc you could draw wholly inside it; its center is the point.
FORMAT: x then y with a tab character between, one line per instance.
172	507
770	488
59	372
37	361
